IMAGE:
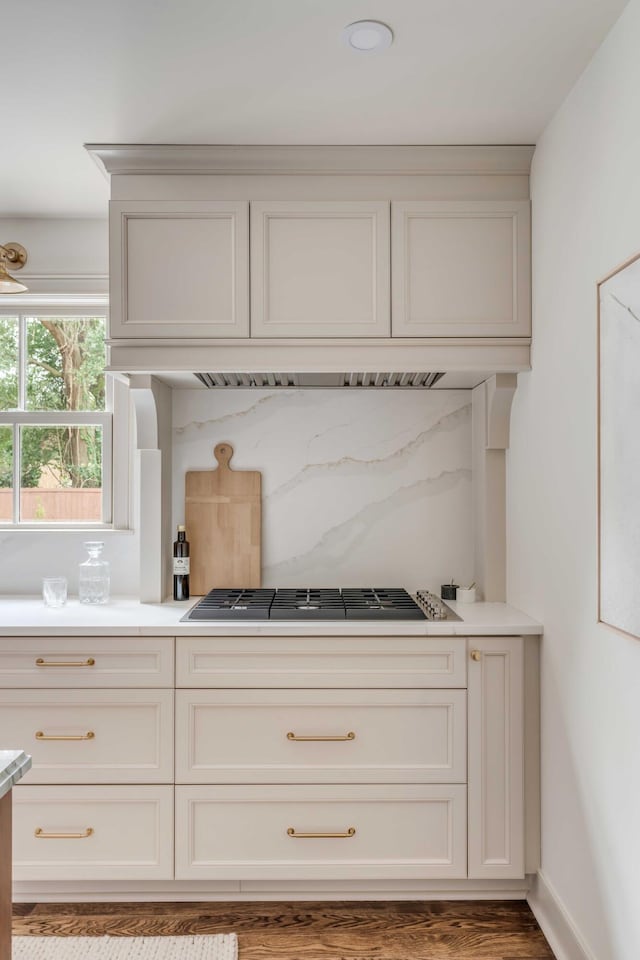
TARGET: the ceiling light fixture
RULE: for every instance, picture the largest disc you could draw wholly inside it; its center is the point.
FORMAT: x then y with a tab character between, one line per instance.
15	255
368	36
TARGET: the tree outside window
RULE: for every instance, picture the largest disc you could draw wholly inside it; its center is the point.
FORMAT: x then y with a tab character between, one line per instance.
52	417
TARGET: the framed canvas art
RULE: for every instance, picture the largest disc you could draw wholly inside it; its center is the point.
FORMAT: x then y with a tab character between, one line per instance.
619	448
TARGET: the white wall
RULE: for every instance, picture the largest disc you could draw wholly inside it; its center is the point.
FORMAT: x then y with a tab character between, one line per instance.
64	256
60	248
359	487
586	220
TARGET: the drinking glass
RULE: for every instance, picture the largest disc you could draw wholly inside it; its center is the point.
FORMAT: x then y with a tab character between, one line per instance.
54	591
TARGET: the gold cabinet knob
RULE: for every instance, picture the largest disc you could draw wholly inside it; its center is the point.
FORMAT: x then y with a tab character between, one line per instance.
476	655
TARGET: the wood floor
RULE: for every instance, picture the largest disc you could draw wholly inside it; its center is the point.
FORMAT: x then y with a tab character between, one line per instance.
452	930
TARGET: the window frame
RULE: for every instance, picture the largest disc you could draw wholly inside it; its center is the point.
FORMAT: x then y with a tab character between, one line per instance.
114	420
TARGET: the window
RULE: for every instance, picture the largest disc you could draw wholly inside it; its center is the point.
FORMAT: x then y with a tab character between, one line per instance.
55	417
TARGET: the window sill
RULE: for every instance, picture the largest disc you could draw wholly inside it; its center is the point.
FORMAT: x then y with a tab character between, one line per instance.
104	531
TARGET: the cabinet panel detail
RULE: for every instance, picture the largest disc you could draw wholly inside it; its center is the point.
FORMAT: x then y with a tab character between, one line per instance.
321	831
333	662
461	269
496	772
179	269
97	736
93	833
319	269
86	662
313	736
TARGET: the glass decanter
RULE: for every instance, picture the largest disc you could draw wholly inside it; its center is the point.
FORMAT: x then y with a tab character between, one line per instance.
93	575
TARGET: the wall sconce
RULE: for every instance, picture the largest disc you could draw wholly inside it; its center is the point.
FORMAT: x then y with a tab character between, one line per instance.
16	256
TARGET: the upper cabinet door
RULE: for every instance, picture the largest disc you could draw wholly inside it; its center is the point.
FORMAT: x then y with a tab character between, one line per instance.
461	268
320	269
179	269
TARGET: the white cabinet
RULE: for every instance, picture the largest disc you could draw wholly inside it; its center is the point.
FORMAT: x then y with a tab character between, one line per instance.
86	662
327	760
93	833
179	269
496	758
97	714
324	734
319	269
334	832
461	268
92	736
326	662
321	758
321	736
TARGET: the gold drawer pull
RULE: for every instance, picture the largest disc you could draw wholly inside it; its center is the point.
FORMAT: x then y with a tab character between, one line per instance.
89	735
347	736
41	835
291	832
476	655
89	662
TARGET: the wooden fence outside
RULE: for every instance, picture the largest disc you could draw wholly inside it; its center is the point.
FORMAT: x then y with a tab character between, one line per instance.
55	505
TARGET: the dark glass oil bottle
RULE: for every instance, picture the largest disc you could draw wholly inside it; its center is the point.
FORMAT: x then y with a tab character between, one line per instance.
181	566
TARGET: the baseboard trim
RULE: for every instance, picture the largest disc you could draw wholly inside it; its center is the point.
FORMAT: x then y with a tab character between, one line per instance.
555	921
73	892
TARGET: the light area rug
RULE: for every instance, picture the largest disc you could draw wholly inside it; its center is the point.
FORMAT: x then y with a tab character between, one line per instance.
220	947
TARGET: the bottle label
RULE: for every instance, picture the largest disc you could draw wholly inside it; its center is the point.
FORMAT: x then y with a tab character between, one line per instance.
180	566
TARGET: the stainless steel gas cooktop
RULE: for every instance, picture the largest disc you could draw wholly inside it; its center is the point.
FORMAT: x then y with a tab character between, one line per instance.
357	603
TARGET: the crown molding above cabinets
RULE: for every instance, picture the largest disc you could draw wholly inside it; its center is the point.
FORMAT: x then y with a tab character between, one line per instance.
272	160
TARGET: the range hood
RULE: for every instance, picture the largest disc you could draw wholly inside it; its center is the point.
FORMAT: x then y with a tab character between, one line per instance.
387	364
422	381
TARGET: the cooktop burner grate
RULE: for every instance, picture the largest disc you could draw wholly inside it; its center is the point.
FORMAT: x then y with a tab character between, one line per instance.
380	603
323	604
233	605
361	603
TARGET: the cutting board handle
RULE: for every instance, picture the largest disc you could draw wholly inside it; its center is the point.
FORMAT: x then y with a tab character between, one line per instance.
223	453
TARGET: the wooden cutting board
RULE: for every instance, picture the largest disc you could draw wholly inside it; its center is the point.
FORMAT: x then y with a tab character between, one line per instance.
223	517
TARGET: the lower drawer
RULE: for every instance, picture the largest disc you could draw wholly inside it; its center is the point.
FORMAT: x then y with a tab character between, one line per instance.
321	831
321	736
93	833
92	736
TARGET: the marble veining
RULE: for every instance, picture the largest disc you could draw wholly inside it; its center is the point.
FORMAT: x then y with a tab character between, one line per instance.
359	486
329	553
625	306
355	466
13	766
229	417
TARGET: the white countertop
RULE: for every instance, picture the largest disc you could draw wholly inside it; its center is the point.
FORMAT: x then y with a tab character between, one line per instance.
126	616
13	766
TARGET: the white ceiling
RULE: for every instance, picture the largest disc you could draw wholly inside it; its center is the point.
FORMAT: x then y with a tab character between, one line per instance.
271	71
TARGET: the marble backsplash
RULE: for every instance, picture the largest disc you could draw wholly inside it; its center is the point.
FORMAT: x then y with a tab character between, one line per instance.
359	487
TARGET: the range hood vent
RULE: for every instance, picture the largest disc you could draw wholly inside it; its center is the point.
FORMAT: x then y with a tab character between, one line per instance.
402	381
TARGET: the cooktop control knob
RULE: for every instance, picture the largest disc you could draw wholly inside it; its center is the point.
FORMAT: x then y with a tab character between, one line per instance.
432	605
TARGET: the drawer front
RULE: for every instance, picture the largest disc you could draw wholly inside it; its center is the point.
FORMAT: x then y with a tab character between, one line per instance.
321	662
373	832
97	736
115	833
86	661
321	736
